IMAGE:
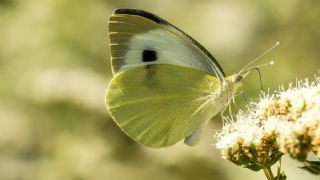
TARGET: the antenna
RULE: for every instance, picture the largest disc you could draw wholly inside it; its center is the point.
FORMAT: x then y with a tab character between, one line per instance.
257	58
248	70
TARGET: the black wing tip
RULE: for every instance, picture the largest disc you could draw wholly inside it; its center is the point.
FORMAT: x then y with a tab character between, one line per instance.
139	12
128	11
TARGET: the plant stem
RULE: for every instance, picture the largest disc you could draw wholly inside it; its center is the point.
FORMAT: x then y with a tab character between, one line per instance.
270	173
279	169
266	173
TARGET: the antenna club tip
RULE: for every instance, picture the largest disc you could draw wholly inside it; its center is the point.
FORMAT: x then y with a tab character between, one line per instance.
277	43
271	62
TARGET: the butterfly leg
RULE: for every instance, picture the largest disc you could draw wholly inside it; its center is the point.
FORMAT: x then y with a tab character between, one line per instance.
223	110
228	105
239	93
230	108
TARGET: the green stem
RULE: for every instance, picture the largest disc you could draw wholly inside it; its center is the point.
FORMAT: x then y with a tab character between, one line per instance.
279	169
266	173
270	173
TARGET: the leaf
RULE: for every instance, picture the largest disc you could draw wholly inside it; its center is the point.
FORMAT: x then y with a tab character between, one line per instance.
254	167
313	163
281	176
273	159
312	166
311	170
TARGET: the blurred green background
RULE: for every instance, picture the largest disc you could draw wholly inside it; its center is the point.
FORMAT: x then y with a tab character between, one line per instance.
54	69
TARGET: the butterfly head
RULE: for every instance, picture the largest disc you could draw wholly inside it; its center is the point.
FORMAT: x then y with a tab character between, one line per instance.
237	78
232	83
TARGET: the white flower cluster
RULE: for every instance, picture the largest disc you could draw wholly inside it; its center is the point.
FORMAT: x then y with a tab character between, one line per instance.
285	122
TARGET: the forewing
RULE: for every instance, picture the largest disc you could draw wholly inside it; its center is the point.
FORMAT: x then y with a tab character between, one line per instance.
158	105
138	38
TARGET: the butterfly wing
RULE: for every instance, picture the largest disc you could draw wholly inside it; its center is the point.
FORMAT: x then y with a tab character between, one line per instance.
158	105
139	38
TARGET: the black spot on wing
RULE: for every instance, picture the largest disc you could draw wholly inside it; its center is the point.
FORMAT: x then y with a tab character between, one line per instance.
164	22
149	55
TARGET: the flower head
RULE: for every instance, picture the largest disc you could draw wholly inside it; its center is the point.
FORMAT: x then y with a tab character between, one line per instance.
287	121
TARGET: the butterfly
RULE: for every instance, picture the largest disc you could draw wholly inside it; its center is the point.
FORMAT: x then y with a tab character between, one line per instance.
166	86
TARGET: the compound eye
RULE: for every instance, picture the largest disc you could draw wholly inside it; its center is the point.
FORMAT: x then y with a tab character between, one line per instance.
238	78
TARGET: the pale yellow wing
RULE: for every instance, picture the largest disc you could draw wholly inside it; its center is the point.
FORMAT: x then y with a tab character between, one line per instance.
158	105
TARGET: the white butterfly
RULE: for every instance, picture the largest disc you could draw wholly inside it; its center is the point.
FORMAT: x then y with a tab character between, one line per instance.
165	85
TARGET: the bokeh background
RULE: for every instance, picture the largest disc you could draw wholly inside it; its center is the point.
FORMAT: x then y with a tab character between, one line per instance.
54	69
